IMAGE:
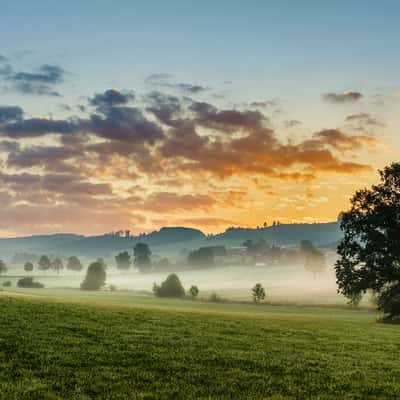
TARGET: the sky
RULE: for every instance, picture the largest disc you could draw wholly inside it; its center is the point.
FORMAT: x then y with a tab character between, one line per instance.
137	115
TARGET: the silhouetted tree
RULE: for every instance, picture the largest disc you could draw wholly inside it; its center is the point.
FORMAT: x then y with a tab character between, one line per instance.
44	263
171	287
142	255
258	293
57	265
28	267
3	267
202	257
95	276
74	264
370	250
123	260
28	282
194	291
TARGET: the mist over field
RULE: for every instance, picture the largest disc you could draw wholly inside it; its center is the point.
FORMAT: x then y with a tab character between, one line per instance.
284	283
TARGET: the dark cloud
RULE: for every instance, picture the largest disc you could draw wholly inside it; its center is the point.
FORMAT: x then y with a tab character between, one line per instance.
342	98
125	124
362	121
49	156
3	58
10	113
40	82
110	98
209	116
36	127
165	107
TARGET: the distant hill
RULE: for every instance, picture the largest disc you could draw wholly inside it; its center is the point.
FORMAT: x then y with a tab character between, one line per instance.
168	240
285	234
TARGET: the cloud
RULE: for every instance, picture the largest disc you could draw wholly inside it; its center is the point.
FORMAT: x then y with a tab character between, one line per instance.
363	121
163	80
165	107
227	120
110	98
36	127
341	141
10	113
342	98
155	78
39	82
162	202
292	123
124	124
186	155
264	104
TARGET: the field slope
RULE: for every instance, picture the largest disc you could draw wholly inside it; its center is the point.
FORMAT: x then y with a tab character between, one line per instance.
58	350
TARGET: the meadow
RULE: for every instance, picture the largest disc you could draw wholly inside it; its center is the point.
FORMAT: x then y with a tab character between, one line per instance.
59	344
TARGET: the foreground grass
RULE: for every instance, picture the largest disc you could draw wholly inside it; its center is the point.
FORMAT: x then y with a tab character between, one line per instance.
57	350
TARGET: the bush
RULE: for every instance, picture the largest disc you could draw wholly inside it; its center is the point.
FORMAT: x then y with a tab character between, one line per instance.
74	264
194	291
95	276
28	267
7	283
28	282
215	298
171	287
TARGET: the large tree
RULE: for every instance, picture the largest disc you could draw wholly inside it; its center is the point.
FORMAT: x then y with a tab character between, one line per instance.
95	276
3	267
57	265
123	260
142	255
370	249
28	267
44	263
74	264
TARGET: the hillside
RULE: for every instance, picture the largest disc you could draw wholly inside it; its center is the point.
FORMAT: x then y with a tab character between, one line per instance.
168	240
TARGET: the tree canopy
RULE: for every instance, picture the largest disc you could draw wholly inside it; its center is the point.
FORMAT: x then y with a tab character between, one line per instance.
95	276
28	267
171	287
370	249
3	267
142	254
44	262
123	260
74	264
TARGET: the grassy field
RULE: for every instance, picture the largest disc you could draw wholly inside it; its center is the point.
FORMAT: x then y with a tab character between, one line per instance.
62	347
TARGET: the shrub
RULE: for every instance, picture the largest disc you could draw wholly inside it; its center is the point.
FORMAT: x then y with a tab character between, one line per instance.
171	287
215	298
194	291
28	267
258	293
28	282
74	264
7	283
95	276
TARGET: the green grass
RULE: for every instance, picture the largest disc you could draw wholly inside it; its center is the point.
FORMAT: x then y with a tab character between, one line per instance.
145	348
